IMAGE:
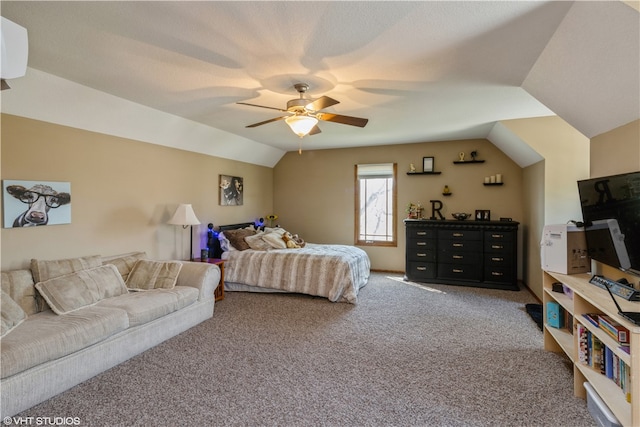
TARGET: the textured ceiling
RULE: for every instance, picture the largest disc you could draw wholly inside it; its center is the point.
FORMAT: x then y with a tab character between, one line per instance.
419	71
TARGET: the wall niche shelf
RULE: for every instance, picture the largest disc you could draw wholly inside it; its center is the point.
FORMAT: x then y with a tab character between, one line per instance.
493	183
424	173
459	162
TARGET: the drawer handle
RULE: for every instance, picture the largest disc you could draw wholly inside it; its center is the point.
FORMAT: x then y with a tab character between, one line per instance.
458	234
456	270
421	268
458	245
421	243
497	236
458	257
421	233
497	247
497	259
495	273
421	254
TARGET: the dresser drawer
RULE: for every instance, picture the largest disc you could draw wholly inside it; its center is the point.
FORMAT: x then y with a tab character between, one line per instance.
421	244
420	234
459	257
421	254
498	259
420	270
498	274
460	272
498	236
498	247
460	234
460	245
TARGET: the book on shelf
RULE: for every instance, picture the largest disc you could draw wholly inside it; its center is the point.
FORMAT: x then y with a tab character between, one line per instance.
613	328
592	318
555	314
598	356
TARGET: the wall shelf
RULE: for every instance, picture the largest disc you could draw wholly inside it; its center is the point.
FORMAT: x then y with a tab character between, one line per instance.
459	162
493	183
424	173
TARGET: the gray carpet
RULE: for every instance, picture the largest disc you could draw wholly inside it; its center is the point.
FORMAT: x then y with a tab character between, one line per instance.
405	355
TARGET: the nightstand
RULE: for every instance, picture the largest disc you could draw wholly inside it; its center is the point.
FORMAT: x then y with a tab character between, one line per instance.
219	292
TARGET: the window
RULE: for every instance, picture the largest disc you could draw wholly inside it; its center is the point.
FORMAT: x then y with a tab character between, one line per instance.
376	204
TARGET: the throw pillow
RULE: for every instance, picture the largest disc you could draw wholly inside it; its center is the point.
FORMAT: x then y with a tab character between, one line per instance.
10	313
236	238
125	263
147	274
275	240
83	288
19	285
256	243
45	270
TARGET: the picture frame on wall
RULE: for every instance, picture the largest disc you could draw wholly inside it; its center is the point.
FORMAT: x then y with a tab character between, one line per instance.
428	164
231	190
35	203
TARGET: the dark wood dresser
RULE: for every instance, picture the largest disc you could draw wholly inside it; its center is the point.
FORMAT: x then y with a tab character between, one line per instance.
471	253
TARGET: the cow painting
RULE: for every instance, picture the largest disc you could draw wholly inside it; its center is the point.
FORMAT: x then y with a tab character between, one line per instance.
39	199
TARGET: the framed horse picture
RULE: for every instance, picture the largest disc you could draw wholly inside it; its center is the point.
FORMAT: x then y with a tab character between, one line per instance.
34	203
231	190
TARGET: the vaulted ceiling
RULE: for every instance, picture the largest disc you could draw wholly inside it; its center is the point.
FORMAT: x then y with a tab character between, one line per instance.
419	71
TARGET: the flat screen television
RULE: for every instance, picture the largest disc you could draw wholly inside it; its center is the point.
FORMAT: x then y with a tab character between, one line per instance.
611	216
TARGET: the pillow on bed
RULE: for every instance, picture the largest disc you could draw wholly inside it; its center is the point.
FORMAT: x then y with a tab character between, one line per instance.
256	243
236	238
275	240
278	230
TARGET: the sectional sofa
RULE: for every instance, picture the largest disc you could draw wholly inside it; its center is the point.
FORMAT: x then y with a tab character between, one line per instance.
65	321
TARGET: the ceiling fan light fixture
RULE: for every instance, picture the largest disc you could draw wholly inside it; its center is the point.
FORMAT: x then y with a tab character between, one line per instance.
301	125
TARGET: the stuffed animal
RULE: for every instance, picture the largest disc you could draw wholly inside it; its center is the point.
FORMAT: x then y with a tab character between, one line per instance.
299	240
288	239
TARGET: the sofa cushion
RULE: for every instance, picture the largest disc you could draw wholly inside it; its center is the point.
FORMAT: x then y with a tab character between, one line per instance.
124	263
83	288
44	270
47	336
147	274
11	314
143	307
19	285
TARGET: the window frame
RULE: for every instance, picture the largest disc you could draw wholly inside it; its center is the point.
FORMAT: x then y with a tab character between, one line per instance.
394	218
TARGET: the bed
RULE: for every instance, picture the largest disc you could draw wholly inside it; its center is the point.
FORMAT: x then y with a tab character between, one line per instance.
336	272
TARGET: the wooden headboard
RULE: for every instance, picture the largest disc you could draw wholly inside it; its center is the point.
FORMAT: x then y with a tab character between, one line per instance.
216	252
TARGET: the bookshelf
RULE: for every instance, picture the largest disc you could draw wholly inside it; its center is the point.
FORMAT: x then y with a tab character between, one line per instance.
588	298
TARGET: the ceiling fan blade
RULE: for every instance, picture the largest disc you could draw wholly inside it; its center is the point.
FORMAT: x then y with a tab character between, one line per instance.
320	103
261	106
345	120
314	130
267	121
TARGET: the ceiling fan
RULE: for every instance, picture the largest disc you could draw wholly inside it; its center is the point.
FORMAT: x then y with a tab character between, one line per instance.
303	113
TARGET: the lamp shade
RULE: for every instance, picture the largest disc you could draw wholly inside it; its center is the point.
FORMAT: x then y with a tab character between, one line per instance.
301	125
184	216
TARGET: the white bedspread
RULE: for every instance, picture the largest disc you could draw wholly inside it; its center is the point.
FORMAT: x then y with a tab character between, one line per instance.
336	272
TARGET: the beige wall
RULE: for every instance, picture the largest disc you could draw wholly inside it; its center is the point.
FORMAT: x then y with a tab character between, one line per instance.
550	191
314	193
123	192
617	151
534	210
